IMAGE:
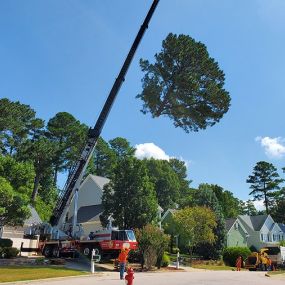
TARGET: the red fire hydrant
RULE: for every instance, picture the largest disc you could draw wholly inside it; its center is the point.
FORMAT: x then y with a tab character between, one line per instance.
130	276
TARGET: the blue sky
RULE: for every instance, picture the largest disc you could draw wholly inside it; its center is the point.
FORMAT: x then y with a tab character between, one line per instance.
65	55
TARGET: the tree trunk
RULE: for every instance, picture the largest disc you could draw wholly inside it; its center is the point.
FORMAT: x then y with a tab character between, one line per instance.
266	203
36	187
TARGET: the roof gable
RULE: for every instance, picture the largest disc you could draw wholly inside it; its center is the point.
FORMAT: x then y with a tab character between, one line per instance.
99	180
34	219
254	222
229	223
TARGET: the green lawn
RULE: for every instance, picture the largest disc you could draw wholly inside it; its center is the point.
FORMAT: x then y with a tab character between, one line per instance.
213	267
16	273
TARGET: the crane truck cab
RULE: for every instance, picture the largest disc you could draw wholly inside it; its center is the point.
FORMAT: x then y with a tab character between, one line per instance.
108	242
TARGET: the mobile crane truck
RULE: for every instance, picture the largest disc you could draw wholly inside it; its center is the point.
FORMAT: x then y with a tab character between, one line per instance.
59	238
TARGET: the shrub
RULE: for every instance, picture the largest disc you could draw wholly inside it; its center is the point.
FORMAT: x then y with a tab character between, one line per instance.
230	254
175	250
5	242
152	243
134	256
8	252
165	260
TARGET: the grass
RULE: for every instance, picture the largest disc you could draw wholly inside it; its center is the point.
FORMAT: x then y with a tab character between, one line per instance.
213	267
16	273
273	273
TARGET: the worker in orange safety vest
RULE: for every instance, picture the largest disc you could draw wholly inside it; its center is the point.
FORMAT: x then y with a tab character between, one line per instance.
123	256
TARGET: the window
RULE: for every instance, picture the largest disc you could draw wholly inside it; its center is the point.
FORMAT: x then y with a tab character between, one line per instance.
261	237
119	235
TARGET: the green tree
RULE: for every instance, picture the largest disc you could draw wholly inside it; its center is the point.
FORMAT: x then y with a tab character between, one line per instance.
229	204
103	161
166	182
129	197
41	153
16	182
196	225
20	175
206	197
69	136
15	123
185	84
121	147
247	208
263	182
278	209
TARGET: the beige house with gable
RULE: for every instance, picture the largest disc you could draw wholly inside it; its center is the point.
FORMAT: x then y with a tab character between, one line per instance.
89	203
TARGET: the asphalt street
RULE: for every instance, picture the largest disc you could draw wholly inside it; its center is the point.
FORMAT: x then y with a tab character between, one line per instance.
171	278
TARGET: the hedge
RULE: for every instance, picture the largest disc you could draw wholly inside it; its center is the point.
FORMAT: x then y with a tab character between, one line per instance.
8	252
5	242
230	254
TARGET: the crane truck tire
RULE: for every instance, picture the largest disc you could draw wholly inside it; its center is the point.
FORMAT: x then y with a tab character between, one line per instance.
47	251
55	251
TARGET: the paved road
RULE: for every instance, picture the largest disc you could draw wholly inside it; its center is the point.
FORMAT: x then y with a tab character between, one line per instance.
171	278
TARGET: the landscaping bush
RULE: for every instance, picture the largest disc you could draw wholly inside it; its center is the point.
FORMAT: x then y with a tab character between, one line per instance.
230	254
5	242
175	250
8	252
135	256
165	260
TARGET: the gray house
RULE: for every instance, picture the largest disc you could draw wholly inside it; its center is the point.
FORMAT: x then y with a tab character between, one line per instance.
262	230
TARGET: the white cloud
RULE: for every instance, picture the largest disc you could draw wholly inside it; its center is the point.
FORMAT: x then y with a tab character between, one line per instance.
274	147
148	150
259	205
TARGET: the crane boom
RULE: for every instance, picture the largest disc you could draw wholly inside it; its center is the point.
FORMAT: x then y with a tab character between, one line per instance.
74	179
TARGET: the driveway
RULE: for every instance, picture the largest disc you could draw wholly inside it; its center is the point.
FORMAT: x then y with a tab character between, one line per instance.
171	278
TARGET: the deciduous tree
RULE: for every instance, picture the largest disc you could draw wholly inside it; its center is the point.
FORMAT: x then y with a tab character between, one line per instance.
129	197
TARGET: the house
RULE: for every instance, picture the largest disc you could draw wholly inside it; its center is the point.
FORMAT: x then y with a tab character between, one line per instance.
16	234
282	227
89	203
262	230
236	233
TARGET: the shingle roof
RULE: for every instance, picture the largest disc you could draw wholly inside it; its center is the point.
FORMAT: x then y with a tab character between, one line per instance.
88	214
282	227
101	181
34	219
254	222
229	223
